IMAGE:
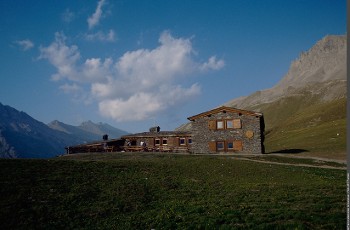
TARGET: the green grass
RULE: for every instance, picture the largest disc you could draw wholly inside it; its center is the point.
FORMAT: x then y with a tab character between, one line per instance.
163	191
305	124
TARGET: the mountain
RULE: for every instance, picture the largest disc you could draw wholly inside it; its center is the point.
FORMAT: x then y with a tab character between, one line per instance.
78	134
101	129
21	136
307	108
323	65
88	131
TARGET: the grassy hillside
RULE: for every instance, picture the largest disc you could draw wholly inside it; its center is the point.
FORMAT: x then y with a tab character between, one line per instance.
145	191
307	124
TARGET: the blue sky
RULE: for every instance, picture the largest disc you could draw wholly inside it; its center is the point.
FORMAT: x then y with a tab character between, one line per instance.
134	64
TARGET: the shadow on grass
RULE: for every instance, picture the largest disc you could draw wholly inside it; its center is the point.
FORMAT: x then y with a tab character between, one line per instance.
290	151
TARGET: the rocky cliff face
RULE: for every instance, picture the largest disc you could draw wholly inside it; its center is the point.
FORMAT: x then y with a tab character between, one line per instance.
325	61
317	69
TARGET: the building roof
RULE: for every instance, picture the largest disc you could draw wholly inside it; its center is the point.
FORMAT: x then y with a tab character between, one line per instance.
94	143
225	109
158	134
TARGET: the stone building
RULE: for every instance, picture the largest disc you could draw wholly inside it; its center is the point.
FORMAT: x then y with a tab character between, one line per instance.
221	130
227	130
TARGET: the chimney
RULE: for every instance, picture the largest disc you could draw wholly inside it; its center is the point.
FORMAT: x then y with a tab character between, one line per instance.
155	129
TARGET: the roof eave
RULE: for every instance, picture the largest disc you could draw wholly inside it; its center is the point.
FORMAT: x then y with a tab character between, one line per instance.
222	108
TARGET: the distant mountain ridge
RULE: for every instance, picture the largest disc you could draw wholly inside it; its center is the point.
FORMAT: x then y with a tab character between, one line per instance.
88	130
21	136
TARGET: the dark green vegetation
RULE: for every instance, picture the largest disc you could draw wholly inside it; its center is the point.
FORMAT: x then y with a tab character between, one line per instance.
163	191
307	124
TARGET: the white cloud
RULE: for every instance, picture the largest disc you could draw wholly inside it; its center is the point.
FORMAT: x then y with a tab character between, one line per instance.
149	67
144	105
139	106
139	84
64	58
212	64
25	44
100	36
95	18
95	70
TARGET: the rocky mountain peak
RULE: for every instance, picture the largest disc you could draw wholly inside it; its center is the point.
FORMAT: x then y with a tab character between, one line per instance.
324	62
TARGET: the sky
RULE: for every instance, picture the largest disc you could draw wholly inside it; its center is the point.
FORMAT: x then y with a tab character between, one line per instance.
135	64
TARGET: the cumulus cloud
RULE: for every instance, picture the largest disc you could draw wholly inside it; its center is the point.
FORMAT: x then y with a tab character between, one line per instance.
25	44
138	85
61	56
95	18
101	36
144	105
212	64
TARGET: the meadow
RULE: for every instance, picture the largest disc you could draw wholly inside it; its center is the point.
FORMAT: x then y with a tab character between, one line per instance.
307	125
165	191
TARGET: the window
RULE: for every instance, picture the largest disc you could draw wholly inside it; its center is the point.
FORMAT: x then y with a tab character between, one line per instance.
182	141
225	124
220	124
229	124
189	141
157	142
230	145
225	146
165	141
220	146
234	124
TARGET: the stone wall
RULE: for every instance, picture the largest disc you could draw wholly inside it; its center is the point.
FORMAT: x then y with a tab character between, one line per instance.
202	135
